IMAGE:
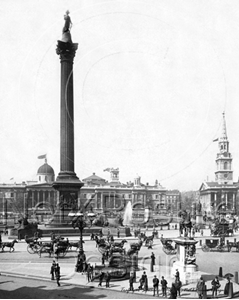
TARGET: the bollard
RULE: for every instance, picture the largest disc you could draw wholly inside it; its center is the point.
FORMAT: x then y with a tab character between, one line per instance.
236	277
204	295
230	291
220	272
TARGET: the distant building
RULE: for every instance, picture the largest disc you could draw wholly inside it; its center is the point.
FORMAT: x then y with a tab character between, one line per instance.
221	195
113	196
39	199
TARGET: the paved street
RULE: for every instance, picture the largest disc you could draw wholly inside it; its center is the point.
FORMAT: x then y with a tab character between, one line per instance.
21	263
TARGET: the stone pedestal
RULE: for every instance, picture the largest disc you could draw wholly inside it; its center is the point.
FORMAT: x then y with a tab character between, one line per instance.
188	271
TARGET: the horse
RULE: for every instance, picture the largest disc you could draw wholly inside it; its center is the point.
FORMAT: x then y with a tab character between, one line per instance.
10	245
47	248
74	244
119	244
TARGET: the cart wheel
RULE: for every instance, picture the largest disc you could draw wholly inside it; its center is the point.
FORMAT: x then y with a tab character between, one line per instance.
37	248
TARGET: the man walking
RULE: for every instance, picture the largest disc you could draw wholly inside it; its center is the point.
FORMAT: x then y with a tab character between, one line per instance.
131	283
215	286
164	286
107	279
52	271
58	274
152	261
156	285
101	277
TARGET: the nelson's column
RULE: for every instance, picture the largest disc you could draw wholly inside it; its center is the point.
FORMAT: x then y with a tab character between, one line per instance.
67	183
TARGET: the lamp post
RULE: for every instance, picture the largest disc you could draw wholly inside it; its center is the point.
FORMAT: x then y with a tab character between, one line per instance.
79	220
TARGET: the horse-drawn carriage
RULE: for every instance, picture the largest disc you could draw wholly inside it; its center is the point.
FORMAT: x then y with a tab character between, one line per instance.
168	247
214	245
57	246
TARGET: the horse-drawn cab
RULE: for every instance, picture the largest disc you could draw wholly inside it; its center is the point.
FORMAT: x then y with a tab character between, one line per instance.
214	245
168	246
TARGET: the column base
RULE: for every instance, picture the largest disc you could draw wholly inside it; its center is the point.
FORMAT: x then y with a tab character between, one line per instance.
68	182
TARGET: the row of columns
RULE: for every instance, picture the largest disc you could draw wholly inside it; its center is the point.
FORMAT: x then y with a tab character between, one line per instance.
225	199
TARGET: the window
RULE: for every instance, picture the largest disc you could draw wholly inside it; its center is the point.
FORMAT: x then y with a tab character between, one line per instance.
225	165
39	178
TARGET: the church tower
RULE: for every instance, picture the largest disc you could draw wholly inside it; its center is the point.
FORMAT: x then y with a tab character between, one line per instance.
224	173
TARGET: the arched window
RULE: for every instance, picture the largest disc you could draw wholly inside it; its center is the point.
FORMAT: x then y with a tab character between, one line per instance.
39	178
225	165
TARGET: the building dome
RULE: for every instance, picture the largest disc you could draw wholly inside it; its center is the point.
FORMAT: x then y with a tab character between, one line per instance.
46	170
45	173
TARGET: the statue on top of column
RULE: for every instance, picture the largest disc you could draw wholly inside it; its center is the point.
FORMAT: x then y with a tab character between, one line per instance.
66	35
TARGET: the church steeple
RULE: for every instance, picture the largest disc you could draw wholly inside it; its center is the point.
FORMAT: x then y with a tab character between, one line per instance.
223	136
224	173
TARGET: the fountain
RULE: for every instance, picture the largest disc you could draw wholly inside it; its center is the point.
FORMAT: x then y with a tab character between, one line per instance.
128	214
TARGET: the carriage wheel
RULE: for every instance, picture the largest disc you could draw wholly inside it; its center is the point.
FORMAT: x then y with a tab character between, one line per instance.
30	249
36	248
205	248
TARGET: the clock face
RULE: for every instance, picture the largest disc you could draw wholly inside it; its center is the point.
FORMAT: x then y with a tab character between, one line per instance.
225	175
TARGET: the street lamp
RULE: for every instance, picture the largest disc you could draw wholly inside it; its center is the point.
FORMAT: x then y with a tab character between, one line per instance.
79	220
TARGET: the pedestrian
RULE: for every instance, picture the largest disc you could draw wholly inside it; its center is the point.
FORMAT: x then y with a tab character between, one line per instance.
88	272
52	271
201	232
193	232
142	280
177	275
92	236
118	233
101	277
156	285
164	284
53	236
103	259
173	291
0	237
200	287
153	259
131	283
5	230
146	287
107	279
226	288
58	274
178	285
215	286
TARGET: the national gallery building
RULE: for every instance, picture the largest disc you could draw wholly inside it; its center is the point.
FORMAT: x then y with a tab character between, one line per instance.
38	198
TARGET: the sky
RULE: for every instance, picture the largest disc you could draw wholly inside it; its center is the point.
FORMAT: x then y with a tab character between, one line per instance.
151	81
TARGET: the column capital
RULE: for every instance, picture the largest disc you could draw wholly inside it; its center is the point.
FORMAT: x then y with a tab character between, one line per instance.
66	51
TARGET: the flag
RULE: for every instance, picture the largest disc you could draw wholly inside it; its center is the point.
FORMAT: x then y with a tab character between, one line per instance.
11	178
108	170
215	140
42	156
